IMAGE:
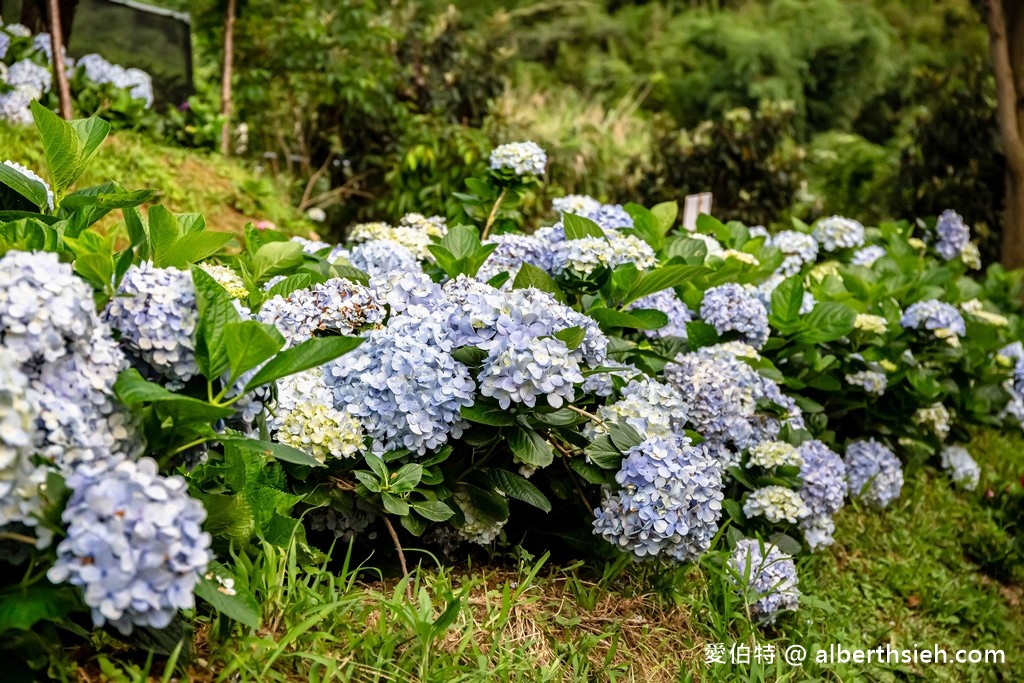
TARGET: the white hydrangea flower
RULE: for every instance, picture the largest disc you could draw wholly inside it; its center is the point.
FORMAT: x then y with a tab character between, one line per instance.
871	323
935	416
776	504
770	454
975	308
227	278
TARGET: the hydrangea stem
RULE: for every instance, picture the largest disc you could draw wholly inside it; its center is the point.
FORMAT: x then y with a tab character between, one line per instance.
401	556
493	214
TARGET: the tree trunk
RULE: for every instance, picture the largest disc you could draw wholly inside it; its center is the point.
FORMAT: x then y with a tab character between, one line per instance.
225	86
1006	39
59	75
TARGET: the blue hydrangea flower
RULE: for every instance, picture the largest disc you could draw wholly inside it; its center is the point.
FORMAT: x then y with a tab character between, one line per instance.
526	368
610	216
943	319
345	524
541	315
776	504
135	545
403	385
730	308
722	394
478	314
14	107
512	252
669	503
671	305
29	77
136	81
155	312
522	158
870	381
962	468
873	472
1018	376
405	292
648	406
380	257
835	233
337	306
577	204
867	256
5	44
824	488
798	248
769	574
954	235
603	383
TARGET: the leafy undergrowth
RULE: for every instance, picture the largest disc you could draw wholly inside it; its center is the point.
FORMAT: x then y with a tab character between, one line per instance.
188	181
938	568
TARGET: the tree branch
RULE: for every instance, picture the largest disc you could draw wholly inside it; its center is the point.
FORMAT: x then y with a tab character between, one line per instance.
1006	90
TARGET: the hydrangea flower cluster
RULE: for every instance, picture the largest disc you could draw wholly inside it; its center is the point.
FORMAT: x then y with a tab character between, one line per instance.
953	234
870	381
522	158
867	256
135	545
227	278
403	385
476	527
20	478
776	504
610	216
603	383
136	81
671	305
577	204
587	254
30	78
975	308
770	574
835	232
722	394
873	472
304	417
526	368
867	322
799	248
49	326
337	306
31	175
380	257
936	416
824	487
771	454
511	253
648	406
941	318
669	503
730	308
963	469
14	106
433	226
405	292
344	524
414	235
155	312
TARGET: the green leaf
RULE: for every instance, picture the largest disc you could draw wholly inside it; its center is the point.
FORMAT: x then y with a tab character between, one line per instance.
571	336
249	343
434	510
195	247
530	448
603	453
309	354
376	463
664	277
394	504
23	607
241	606
276	258
132	390
91	133
32	190
61	146
406	478
665	215
163	233
701	334
623	436
461	241
577	227
609	318
515	486
290	284
271	449
216	311
590	473
787	299
488	414
827	322
530	275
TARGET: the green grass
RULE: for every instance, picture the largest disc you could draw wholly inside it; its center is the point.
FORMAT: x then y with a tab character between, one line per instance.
227	192
911	574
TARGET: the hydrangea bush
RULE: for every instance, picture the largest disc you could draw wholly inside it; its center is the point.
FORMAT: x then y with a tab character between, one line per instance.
436	379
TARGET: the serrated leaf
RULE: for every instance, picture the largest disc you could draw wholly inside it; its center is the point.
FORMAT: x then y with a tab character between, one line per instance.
216	311
32	190
276	258
603	453
515	486
662	278
530	448
163	233
530	275
406	478
577	227
609	318
434	510
61	146
240	606
272	449
23	607
290	284
132	390
572	337
194	247
827	322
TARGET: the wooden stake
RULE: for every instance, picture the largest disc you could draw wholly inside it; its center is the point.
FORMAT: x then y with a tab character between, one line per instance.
57	48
